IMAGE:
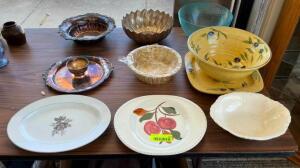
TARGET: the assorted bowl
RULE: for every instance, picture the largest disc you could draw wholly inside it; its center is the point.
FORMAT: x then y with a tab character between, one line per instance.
226	53
154	64
194	16
89	27
147	26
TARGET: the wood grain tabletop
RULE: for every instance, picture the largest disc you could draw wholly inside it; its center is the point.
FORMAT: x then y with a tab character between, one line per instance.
21	83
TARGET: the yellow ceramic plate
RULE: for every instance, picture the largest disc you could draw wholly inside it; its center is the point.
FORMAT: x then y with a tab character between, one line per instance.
203	83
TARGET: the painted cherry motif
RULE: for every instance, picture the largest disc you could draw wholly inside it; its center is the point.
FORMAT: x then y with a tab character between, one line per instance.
151	127
161	125
166	123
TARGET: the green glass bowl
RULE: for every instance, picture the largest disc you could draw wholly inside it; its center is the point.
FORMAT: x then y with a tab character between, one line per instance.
194	16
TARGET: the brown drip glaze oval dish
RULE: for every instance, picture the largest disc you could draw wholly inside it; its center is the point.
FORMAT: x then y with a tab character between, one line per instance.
147	26
86	28
60	78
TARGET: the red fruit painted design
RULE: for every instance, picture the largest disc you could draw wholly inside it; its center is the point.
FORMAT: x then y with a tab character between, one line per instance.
151	127
163	125
166	123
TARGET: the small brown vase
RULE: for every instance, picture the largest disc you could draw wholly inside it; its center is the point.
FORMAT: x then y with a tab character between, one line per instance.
13	33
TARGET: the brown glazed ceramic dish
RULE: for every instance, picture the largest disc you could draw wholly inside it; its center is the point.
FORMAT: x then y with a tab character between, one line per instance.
147	26
86	28
59	78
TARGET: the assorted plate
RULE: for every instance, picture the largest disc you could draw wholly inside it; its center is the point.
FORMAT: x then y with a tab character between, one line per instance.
59	78
58	123
203	83
137	120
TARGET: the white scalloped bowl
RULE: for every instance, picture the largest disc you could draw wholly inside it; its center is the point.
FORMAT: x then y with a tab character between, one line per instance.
250	115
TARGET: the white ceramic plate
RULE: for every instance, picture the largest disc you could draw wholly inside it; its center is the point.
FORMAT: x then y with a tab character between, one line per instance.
184	120
58	123
250	115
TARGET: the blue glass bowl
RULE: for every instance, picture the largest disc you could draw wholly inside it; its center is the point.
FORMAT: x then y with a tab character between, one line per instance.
194	16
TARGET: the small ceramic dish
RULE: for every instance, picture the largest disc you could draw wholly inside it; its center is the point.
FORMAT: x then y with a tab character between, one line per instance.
147	26
60	78
86	28
154	64
226	53
204	83
250	115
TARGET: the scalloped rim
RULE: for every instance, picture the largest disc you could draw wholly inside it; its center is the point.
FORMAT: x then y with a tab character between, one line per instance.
260	138
67	36
148	11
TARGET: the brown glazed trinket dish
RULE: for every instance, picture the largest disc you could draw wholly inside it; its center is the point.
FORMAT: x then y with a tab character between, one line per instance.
86	28
77	73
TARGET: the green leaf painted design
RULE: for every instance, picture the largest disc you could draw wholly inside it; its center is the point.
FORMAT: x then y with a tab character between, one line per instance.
206	57
218	31
250	50
169	110
266	48
246	55
146	116
204	35
215	62
176	134
243	57
250	40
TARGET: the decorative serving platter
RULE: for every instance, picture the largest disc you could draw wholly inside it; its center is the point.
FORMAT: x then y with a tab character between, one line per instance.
160	124
60	79
58	123
203	83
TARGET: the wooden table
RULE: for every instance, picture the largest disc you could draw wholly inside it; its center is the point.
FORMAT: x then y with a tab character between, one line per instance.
21	83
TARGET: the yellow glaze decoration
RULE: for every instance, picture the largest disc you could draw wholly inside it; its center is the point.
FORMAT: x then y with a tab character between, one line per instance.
226	53
203	83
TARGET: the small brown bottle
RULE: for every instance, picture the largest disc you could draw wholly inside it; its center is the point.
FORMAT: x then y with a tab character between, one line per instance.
13	33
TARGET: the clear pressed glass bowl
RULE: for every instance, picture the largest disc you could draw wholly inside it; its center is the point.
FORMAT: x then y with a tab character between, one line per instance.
194	16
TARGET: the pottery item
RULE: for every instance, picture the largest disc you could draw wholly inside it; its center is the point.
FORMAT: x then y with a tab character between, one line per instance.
89	27
58	123
147	26
204	83
227	54
60	78
160	124
154	64
250	115
13	33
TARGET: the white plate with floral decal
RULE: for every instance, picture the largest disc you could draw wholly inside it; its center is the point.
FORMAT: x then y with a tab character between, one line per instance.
138	120
58	123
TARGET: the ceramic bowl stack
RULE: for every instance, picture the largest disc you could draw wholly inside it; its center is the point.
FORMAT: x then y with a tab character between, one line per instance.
228	55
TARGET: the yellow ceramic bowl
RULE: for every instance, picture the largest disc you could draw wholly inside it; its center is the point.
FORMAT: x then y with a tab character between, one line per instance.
226	53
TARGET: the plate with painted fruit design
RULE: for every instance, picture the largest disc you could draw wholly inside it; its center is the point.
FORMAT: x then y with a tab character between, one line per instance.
160	124
58	123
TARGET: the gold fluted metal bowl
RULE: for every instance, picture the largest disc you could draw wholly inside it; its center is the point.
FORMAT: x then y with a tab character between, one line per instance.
147	26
